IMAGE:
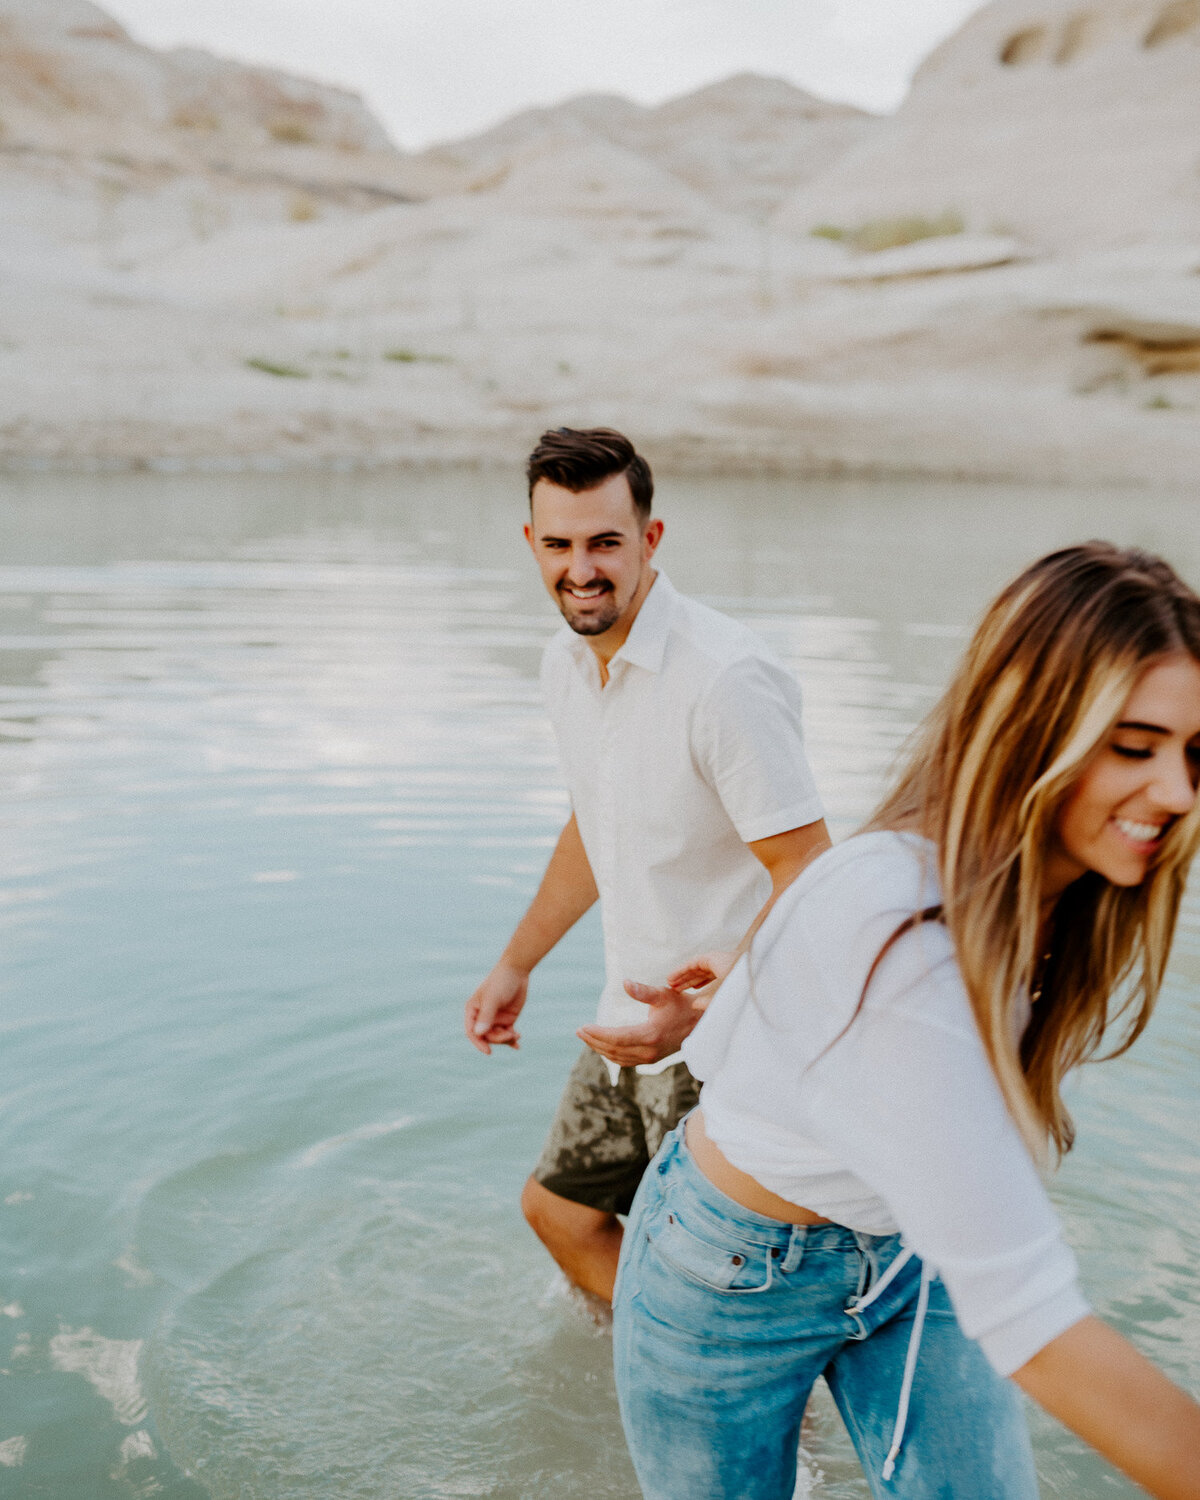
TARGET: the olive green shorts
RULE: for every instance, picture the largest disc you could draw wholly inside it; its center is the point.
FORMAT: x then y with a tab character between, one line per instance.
604	1135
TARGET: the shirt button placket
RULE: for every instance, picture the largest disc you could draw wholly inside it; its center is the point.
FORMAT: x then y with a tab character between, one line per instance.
607	799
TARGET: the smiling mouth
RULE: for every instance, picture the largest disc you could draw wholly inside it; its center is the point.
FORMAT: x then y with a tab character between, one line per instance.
591	591
1140	833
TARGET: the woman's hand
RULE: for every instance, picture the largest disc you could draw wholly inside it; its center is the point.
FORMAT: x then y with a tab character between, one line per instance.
703	973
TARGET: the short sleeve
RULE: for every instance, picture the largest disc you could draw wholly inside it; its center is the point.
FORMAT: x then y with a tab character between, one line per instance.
750	746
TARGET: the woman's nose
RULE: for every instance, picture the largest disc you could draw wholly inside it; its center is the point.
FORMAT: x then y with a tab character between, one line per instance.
1175	784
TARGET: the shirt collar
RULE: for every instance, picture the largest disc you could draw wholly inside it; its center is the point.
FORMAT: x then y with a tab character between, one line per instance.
647	639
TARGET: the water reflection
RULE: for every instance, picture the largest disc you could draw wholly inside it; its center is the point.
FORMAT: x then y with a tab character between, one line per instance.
275	784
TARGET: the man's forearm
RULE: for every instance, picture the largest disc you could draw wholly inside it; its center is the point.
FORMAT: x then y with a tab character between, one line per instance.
568	889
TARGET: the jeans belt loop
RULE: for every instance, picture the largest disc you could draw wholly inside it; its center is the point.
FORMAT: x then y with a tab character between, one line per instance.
795	1250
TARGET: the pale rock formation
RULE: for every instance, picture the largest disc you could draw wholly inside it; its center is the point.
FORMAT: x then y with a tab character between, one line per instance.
84	106
589	179
938	255
478	162
1007	285
745	143
1061	122
71	73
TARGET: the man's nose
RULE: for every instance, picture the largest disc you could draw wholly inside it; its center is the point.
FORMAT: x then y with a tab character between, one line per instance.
581	568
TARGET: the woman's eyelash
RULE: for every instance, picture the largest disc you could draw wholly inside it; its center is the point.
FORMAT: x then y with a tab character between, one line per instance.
1131	754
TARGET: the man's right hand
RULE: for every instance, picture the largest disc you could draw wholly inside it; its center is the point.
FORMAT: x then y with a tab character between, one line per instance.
494	1007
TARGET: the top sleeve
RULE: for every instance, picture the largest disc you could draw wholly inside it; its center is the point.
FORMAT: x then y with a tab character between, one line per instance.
907	1099
750	745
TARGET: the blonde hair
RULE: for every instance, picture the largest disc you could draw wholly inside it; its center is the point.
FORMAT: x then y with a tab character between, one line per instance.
1041	687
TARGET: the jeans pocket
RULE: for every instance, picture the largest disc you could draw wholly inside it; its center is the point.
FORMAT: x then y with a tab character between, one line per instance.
736	1266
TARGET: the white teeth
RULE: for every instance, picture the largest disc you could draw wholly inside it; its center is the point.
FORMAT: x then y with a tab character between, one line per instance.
1144	833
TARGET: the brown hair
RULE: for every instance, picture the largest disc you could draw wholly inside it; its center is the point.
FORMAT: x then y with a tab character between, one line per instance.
581	459
1041	687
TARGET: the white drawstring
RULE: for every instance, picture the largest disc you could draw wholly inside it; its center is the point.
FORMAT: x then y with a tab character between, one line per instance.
883	1283
910	1369
914	1347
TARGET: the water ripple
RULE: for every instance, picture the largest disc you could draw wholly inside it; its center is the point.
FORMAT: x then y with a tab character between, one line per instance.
275	784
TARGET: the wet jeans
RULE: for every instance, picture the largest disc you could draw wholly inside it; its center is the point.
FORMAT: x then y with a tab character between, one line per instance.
724	1318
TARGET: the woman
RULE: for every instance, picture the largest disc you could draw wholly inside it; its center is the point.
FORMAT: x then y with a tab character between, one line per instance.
858	1193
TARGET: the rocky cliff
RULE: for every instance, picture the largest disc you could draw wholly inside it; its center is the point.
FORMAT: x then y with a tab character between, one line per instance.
1067	124
209	263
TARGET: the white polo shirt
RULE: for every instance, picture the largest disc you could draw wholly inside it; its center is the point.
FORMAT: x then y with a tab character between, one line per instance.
690	751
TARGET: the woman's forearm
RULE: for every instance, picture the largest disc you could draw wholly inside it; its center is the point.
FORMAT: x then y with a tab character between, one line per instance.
1097	1384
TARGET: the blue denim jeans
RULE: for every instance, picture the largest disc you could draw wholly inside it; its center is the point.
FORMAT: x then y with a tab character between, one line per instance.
723	1319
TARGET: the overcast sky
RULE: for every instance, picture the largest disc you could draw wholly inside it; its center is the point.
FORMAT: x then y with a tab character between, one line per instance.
434	69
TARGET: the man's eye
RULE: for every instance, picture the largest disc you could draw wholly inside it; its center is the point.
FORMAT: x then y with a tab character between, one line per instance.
1130	753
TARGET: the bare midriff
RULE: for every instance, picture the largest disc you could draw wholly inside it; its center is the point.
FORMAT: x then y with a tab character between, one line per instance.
739	1185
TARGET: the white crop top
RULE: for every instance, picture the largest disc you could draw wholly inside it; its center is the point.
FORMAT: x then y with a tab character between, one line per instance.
900	1125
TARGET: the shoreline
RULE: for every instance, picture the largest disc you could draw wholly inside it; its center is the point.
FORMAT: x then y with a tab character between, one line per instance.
267	464
1110	448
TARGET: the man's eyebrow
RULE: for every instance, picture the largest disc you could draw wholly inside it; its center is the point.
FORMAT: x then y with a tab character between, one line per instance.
1146	728
600	536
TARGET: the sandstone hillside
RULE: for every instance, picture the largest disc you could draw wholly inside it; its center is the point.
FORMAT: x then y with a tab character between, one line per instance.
206	263
1066	124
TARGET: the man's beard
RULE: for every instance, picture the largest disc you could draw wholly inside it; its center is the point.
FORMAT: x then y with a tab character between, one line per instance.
591	623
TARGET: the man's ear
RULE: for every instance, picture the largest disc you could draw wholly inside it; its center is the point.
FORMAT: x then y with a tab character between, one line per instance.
529	535
652	536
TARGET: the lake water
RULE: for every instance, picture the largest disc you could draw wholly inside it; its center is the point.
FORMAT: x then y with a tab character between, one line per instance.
275	785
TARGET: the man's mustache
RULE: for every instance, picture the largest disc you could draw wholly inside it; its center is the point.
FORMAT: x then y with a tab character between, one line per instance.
605	585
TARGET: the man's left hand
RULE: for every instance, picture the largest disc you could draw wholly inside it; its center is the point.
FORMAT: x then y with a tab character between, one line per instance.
673	1016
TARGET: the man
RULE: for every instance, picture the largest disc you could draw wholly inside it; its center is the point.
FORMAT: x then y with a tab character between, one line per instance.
681	744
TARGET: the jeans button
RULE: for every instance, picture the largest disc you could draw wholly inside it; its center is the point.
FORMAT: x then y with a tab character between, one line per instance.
738	1260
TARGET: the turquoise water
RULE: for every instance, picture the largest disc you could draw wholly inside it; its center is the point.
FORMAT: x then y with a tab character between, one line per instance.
274	787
